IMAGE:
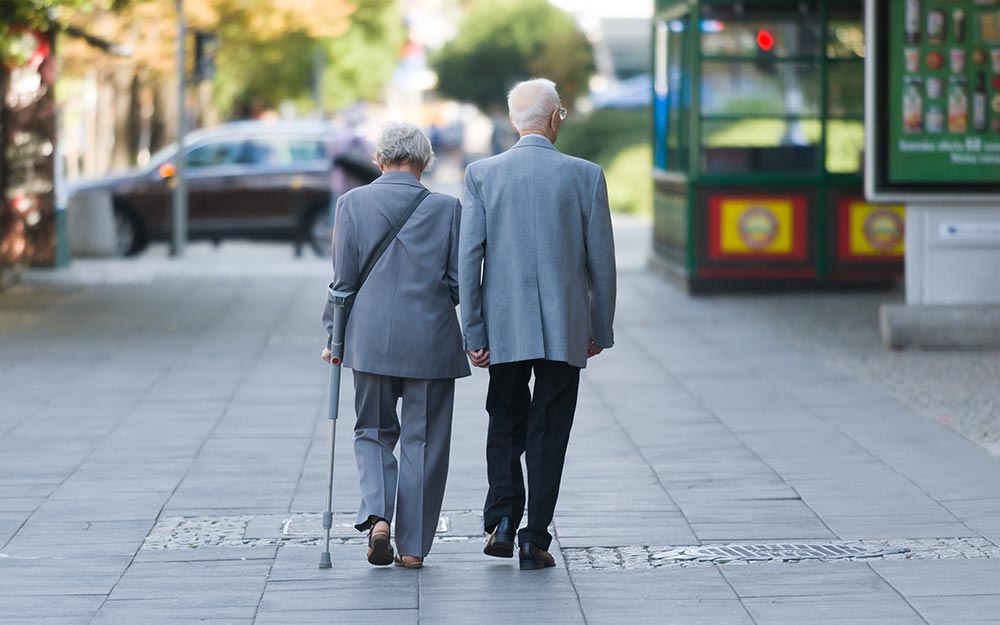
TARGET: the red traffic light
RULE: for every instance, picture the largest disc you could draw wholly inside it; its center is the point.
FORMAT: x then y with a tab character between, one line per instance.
765	40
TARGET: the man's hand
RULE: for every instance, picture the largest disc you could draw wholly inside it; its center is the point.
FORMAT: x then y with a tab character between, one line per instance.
593	350
480	357
327	354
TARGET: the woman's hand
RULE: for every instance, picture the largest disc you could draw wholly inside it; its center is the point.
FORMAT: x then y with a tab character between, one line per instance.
593	349
327	354
480	357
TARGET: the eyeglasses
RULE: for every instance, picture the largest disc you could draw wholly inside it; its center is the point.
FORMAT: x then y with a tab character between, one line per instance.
563	112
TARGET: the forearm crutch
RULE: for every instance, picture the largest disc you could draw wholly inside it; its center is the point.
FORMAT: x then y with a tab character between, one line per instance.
338	300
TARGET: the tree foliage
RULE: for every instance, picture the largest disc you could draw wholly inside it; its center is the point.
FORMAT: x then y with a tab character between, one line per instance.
271	65
39	14
503	41
267	48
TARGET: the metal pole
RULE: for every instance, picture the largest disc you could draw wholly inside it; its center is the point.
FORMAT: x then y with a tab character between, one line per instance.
178	222
338	300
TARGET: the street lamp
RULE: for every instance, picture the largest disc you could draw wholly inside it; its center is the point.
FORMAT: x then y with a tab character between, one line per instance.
178	223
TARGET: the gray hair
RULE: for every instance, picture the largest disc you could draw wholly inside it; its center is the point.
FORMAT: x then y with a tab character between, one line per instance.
531	104
401	142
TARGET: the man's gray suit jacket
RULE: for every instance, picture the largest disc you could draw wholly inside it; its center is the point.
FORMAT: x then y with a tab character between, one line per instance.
537	260
403	323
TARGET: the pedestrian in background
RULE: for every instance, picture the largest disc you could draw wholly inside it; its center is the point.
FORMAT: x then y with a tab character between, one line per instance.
403	342
537	283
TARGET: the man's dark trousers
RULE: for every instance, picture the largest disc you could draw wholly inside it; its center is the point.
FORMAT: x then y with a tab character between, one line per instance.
537	425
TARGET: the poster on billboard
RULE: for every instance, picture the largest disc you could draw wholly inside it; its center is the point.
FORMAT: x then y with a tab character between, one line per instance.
933	101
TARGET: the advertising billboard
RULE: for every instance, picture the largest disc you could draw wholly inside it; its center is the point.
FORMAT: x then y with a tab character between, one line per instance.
933	101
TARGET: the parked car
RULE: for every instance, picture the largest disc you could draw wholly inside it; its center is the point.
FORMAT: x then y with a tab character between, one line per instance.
252	179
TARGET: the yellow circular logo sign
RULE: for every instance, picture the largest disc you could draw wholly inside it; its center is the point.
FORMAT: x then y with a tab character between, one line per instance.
884	230
758	227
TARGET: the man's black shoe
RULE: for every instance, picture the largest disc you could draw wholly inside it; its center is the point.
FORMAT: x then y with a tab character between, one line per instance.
533	557
501	541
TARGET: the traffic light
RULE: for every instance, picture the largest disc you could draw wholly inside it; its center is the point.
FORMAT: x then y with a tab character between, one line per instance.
206	46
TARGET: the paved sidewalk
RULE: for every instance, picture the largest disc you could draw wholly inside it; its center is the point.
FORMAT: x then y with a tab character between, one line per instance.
162	460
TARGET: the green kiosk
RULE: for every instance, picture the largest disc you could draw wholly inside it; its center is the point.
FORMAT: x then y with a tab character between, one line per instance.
759	147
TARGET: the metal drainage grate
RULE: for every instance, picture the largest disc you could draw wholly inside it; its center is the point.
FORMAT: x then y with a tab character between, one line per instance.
783	552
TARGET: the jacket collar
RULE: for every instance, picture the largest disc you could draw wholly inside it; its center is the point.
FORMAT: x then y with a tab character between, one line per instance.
398	177
535	141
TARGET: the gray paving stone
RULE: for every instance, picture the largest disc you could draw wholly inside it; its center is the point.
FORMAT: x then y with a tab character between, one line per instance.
806	579
979	609
345	617
888	608
701	584
49	606
170	610
652	611
331	598
939	578
502	612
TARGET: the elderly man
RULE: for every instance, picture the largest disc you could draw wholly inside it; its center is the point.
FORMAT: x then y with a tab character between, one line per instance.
537	285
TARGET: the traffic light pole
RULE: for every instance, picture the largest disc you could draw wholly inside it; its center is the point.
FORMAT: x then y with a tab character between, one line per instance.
179	212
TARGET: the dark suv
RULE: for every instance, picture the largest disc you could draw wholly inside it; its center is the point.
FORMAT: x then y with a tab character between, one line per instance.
256	180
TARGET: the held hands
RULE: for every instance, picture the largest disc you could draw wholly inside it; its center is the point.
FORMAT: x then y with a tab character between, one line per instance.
480	357
593	349
327	354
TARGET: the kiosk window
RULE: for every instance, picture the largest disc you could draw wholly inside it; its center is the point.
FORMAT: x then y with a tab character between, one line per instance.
845	51
779	29
845	90
761	88
750	88
672	96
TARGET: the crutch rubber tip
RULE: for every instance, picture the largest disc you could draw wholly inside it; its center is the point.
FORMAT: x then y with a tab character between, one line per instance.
324	560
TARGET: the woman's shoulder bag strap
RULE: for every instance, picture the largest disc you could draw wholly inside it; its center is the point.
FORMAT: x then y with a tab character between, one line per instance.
384	244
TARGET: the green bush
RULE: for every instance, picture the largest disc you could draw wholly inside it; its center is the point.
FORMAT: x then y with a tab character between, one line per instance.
630	185
619	141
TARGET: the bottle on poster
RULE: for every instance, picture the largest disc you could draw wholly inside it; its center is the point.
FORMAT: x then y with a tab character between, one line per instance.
958	105
912	21
913	106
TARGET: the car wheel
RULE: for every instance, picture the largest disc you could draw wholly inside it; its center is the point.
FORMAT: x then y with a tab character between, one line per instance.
130	234
319	230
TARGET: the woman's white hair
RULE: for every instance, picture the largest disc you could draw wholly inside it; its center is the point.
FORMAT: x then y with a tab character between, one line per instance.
403	143
531	104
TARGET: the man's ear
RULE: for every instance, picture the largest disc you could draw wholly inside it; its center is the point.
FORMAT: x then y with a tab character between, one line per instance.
555	121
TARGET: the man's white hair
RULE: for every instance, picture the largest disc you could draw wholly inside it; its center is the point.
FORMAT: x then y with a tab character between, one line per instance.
403	143
531	104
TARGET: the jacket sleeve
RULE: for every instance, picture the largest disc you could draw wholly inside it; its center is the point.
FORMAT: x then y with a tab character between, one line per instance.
601	270
346	272
451	276
472	247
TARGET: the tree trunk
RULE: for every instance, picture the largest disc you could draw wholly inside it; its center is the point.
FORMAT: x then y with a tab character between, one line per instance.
6	218
122	79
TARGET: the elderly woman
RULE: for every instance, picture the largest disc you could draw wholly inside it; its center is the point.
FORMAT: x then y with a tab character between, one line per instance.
403	342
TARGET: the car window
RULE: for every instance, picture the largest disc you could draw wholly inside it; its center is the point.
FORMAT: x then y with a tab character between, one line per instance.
303	150
279	152
216	154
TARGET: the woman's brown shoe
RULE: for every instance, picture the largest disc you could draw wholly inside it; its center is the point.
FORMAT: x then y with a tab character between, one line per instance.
379	548
409	562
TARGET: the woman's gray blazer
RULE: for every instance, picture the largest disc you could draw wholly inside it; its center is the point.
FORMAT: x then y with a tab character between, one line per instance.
537	260
403	323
